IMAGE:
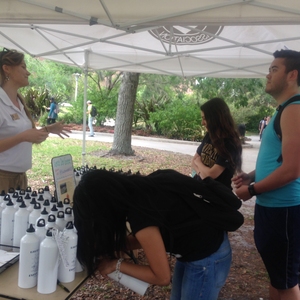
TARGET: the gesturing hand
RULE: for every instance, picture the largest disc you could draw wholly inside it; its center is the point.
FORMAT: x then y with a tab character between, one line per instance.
59	128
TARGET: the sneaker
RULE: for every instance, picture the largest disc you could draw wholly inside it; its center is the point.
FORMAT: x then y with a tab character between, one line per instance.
91	135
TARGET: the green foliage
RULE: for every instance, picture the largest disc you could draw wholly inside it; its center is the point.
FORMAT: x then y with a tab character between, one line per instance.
35	101
250	115
43	119
179	120
253	120
247	98
54	77
157	97
155	92
103	88
233	90
73	114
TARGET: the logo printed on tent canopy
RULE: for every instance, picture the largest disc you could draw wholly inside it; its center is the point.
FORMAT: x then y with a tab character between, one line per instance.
183	36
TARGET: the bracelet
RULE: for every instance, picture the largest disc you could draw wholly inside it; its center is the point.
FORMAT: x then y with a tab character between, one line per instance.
118	266
46	128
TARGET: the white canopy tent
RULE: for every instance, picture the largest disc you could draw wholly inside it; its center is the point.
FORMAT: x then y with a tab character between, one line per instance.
215	38
207	38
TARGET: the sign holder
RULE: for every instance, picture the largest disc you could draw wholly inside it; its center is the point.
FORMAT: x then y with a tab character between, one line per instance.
63	175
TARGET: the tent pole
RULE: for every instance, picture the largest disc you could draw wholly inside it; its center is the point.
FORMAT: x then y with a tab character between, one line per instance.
84	107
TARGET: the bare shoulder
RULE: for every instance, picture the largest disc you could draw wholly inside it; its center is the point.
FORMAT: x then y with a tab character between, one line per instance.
290	119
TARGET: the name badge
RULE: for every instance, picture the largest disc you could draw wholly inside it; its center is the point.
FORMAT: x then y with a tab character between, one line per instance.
15	117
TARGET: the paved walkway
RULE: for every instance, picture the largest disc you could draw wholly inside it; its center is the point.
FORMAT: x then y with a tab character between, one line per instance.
250	150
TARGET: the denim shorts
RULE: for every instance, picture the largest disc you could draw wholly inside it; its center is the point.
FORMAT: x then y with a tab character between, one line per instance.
277	239
202	279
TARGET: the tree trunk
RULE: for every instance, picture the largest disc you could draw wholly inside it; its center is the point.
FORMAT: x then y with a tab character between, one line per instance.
122	133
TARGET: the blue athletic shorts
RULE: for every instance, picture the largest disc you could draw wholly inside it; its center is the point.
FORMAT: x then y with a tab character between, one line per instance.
277	239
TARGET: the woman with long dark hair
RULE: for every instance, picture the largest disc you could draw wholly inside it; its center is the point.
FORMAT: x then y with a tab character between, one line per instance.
166	212
220	153
218	157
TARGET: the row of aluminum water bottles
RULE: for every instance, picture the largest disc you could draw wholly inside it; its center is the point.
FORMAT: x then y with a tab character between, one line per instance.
41	229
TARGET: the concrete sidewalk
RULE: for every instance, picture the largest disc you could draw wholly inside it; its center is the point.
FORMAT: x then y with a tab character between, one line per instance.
250	150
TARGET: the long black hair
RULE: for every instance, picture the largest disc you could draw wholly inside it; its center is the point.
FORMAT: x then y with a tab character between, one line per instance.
103	200
221	128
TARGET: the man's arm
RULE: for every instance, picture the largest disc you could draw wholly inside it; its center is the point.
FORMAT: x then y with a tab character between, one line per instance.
290	168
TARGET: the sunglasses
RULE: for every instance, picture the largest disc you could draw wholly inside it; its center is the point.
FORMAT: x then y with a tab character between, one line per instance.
4	52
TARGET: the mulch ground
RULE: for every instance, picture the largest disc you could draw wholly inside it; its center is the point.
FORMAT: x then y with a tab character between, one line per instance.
247	279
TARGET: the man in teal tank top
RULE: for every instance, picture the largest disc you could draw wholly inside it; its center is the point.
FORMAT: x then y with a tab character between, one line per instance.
276	184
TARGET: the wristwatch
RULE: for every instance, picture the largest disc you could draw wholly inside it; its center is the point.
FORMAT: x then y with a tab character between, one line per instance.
251	190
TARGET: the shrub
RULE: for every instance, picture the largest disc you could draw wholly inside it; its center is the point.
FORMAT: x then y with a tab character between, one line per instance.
178	120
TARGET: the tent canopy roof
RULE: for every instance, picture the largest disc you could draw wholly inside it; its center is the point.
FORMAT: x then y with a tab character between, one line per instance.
213	38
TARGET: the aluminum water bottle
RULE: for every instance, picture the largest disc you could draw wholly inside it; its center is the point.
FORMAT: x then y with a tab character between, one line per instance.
66	203
18	203
53	201
7	226
60	206
33	194
41	192
69	214
47	194
44	215
60	221
1	209
54	210
10	192
47	205
14	197
34	214
18	189
67	266
40	229
77	178
22	192
130	282
27	199
40	199
48	265
20	224
5	200
28	190
78	267
31	204
2	195
51	222
28	259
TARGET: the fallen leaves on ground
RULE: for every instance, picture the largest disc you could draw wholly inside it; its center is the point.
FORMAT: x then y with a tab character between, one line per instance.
247	279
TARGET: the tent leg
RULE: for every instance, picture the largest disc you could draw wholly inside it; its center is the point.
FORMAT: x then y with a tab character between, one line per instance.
84	108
